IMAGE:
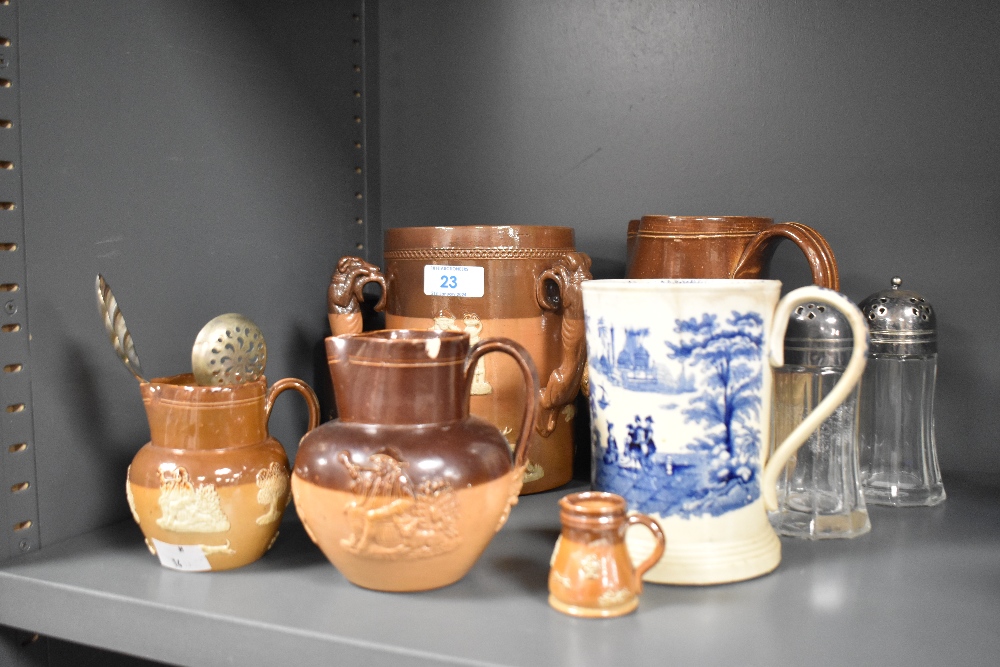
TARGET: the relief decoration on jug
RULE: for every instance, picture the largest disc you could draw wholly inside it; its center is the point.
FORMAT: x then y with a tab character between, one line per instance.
392	518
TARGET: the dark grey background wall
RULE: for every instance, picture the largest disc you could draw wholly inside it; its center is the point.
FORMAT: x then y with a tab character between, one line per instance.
201	156
876	123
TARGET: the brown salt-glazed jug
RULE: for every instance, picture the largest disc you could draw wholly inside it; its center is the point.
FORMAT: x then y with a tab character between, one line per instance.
676	246
404	490
591	572
518	282
209	488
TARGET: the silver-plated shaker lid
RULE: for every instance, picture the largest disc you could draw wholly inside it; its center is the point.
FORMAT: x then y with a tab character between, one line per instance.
819	336
900	322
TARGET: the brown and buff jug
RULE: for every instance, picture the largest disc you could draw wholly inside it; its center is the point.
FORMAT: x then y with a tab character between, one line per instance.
209	489
404	490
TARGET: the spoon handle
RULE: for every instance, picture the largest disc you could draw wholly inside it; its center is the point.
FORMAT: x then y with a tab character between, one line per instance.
118	333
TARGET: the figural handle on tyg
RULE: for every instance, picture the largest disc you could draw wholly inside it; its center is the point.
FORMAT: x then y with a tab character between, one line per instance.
566	275
345	293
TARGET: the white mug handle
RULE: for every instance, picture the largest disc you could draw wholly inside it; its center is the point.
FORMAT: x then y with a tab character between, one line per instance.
852	374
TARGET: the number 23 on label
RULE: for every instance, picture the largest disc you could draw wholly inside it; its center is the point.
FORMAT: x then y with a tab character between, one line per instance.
444	280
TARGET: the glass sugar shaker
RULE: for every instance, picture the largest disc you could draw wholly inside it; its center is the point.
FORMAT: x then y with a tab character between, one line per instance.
899	464
819	495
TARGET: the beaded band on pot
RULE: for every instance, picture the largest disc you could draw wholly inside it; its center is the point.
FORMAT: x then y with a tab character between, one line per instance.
477	253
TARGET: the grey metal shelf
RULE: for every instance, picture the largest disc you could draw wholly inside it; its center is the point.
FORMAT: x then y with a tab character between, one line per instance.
922	588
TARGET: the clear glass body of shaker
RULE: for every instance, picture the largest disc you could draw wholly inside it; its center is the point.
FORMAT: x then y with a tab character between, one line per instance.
819	495
899	464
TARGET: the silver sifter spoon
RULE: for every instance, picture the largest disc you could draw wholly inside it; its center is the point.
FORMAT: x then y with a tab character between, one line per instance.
229	349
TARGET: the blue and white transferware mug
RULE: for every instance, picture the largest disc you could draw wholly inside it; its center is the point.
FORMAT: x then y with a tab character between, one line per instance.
680	401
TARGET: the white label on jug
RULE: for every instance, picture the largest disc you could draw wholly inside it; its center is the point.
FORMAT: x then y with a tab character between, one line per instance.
440	280
184	557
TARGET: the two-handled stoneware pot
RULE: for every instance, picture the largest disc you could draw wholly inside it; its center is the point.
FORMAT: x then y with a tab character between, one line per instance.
517	282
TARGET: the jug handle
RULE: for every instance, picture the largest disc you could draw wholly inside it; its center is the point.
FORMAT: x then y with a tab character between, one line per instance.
846	383
344	295
661	545
818	253
298	385
567	274
527	366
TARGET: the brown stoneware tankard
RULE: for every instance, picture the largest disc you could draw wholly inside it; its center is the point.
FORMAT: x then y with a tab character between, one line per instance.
518	282
591	573
676	246
209	488
404	490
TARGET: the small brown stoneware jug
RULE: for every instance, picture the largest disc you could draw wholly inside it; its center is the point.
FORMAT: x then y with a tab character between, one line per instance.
209	488
591	572
677	246
517	282
404	490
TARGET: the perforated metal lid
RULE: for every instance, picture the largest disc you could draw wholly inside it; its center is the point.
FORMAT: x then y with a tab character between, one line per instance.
818	335
900	322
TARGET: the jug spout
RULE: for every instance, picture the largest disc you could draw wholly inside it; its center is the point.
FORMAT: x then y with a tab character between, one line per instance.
399	376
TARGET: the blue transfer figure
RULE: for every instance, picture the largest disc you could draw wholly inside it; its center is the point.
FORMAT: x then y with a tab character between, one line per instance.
633	441
648	445
611	454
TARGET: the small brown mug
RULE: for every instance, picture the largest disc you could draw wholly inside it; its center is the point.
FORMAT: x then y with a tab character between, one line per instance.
591	572
676	246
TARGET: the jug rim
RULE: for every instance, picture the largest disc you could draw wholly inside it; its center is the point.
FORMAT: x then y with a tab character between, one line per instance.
742	285
172	385
389	347
707	225
594	504
417	336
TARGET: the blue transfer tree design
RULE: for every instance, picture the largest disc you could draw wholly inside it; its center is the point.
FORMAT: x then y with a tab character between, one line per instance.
727	405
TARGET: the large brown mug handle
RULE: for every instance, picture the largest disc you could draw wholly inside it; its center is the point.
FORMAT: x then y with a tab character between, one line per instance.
661	545
558	288
818	253
298	385
344	295
527	366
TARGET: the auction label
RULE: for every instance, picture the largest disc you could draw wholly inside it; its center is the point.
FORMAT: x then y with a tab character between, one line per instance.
184	557
440	280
